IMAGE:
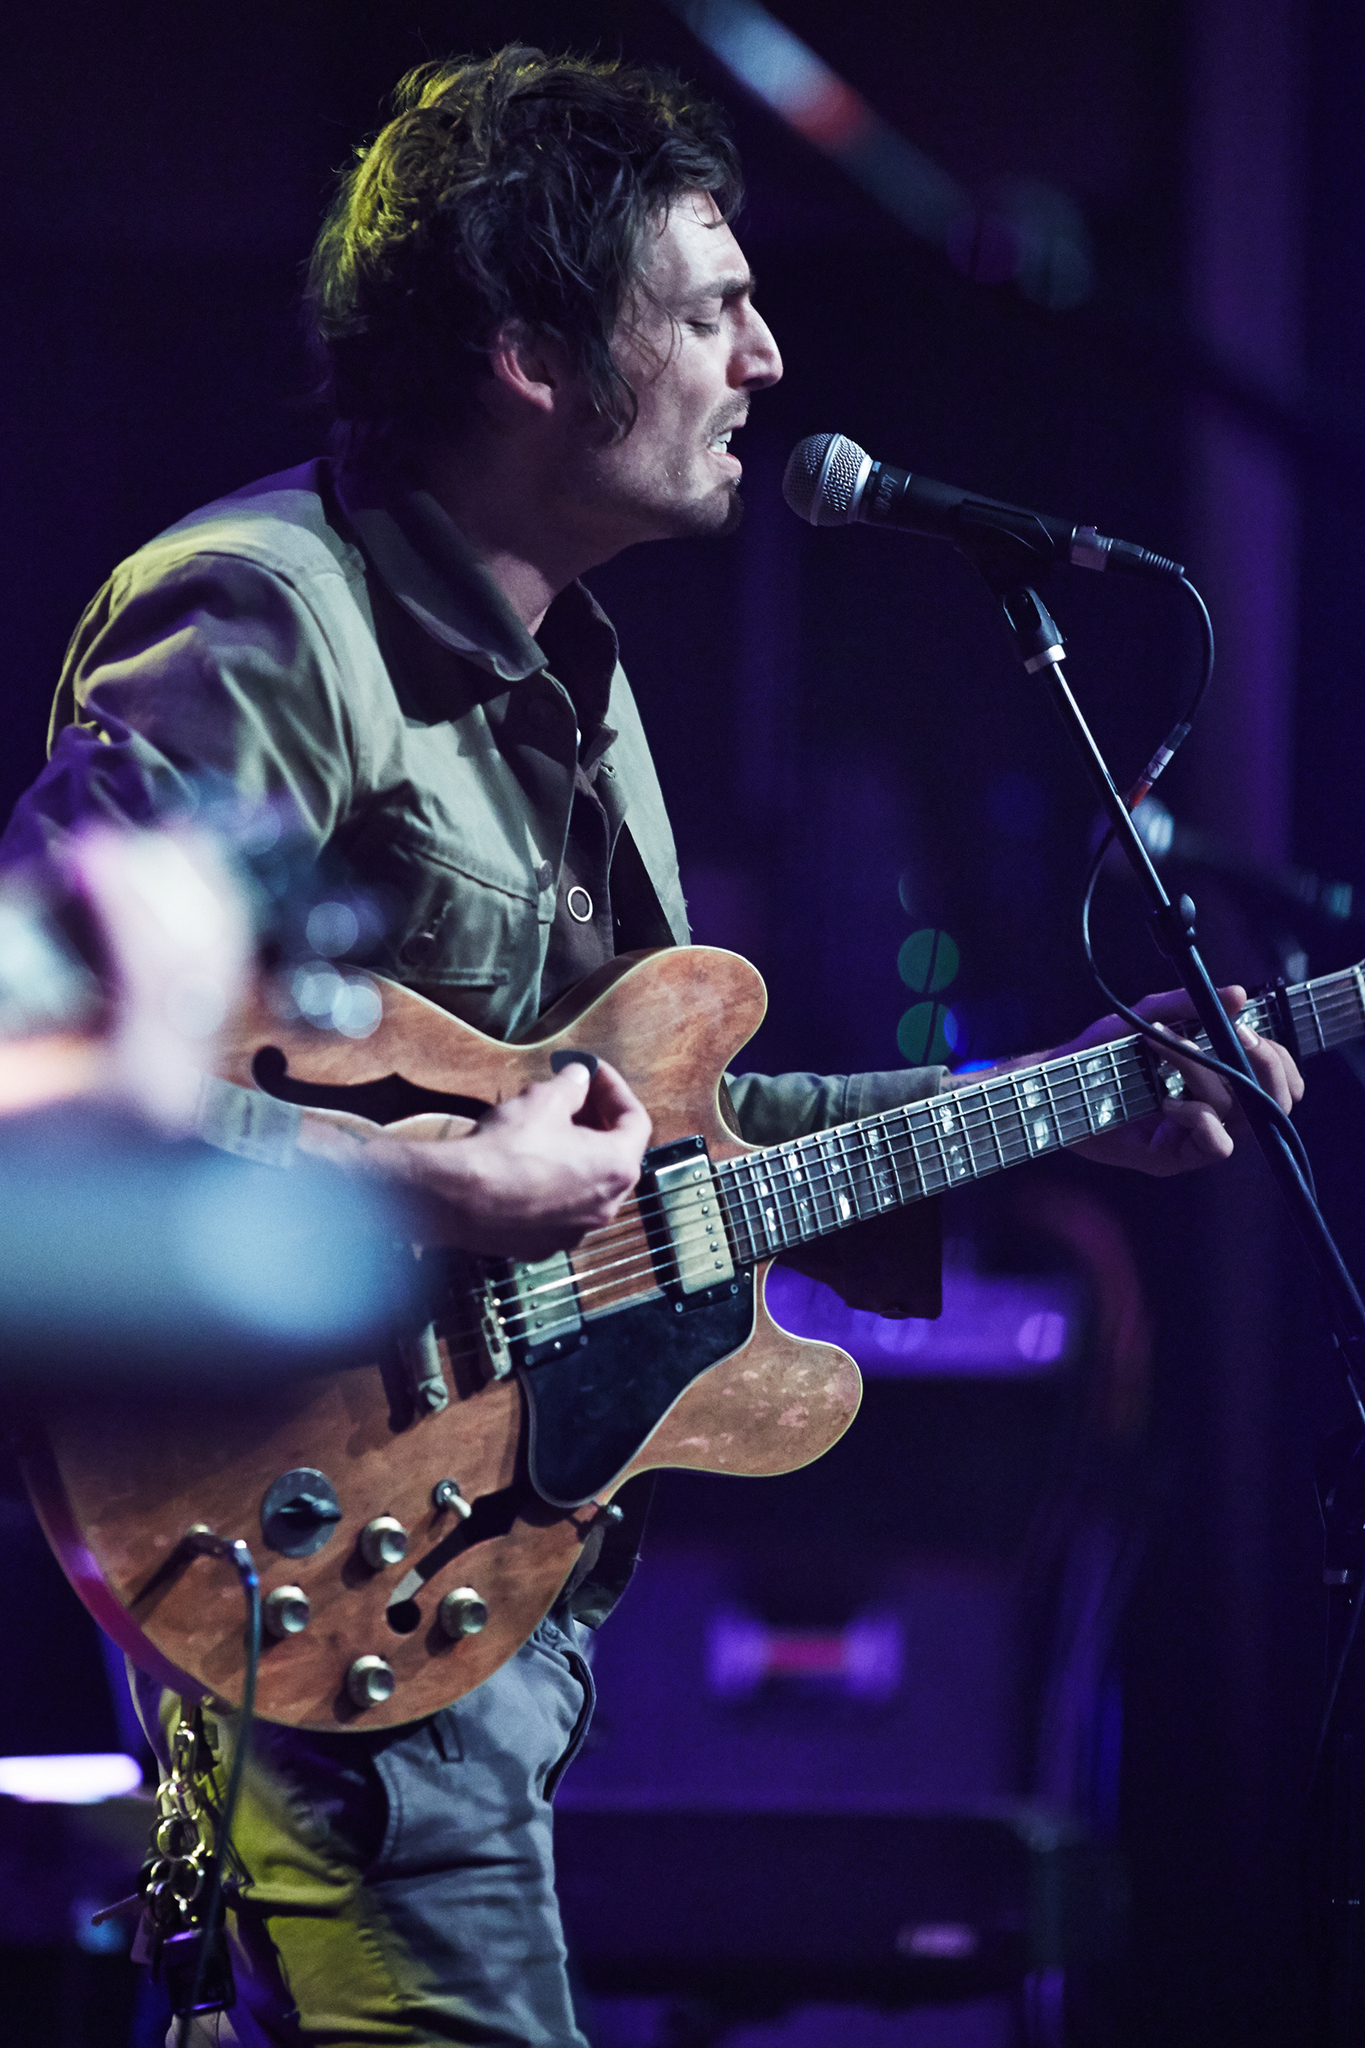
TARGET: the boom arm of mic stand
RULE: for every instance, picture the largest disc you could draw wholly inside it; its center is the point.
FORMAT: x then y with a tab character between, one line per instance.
1041	650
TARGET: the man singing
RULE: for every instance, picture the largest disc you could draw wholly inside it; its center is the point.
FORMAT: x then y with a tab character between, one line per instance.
539	340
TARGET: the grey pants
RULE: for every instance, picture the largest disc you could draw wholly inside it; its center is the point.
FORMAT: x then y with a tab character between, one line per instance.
402	1884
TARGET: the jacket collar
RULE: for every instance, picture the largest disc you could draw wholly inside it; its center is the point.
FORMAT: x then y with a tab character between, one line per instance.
429	567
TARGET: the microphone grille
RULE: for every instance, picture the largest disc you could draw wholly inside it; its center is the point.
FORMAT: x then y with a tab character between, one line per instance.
822	477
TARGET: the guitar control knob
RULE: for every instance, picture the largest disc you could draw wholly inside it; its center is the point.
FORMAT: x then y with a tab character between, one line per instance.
285	1612
370	1681
463	1613
383	1541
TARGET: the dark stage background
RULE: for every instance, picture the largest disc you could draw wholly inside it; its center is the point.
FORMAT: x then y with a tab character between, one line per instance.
848	751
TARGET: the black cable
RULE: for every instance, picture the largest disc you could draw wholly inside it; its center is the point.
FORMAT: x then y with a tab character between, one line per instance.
1160	1035
1156	767
1180	732
240	1557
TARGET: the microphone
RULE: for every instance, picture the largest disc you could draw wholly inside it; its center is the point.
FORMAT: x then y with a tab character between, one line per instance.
831	481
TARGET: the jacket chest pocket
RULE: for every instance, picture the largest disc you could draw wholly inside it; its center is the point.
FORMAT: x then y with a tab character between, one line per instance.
472	945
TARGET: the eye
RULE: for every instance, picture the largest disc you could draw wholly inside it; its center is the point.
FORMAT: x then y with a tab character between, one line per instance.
704	326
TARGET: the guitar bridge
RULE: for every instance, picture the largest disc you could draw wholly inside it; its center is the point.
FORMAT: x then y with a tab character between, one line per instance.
528	1311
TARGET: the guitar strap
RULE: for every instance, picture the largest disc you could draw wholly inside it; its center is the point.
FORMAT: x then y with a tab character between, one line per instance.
609	1556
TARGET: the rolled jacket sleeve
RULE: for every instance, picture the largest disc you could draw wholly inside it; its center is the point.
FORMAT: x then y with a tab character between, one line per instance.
891	1264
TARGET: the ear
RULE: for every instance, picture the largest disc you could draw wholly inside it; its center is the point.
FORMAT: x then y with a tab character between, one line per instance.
528	367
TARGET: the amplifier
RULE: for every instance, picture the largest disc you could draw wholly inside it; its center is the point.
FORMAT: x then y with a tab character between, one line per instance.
755	1911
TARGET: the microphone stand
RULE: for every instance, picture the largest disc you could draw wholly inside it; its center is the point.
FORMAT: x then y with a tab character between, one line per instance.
1338	1789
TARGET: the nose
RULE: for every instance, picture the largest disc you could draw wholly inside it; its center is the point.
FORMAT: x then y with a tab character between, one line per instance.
756	362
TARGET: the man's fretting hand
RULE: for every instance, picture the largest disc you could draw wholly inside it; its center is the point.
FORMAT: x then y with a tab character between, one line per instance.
535	1174
1200	1127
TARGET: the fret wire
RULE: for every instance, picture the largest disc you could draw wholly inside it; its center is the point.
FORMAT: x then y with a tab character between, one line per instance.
976	1128
1065	1120
937	1134
1313	1012
807	1203
853	1197
922	1137
731	1177
837	1167
1357	997
806	1183
991	1125
827	1194
892	1154
763	1201
794	1231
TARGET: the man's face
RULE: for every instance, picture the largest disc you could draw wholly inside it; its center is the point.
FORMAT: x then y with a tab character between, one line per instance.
693	350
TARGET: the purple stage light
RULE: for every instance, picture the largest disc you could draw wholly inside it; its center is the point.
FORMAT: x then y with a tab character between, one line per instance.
993	1325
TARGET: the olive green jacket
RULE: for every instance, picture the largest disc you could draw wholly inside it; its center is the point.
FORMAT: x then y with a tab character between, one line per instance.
338	653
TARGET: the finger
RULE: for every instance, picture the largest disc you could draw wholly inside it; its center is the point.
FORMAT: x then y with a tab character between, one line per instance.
1274	1067
1191	1133
616	1106
566	1091
1171	1006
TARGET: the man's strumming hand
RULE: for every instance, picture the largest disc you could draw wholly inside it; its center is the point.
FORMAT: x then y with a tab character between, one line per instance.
534	1175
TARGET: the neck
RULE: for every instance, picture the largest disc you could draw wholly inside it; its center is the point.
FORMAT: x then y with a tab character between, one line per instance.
506	510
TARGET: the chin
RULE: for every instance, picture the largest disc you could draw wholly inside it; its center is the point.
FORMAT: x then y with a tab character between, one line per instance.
719	513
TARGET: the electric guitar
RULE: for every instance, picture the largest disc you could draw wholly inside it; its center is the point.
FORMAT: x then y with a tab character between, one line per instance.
414	1519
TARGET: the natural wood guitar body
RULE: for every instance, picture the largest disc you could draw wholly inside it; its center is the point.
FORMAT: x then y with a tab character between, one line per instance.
119	1483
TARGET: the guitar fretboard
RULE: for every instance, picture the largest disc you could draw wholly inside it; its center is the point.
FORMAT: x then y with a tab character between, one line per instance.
786	1194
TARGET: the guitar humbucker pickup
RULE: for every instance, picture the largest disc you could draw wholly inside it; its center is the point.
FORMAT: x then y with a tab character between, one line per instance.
529	1311
686	1224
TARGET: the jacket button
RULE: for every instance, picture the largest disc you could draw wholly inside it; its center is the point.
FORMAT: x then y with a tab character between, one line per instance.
545	874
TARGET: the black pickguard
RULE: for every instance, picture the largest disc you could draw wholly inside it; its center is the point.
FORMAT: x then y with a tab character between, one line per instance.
591	1410
383	1102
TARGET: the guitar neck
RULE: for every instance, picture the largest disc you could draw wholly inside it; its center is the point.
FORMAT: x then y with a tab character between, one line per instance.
784	1195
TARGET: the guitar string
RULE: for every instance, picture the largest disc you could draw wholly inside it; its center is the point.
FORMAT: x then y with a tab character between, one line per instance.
1121	1049
1330	1008
1059	1085
822	1184
787	1201
1063	1092
654	1205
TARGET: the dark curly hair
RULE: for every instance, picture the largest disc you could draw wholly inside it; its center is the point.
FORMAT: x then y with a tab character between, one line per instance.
510	188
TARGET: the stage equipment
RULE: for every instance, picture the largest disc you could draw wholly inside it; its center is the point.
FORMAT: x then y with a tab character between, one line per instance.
758	1911
854	1771
831	481
1010	560
481	1456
